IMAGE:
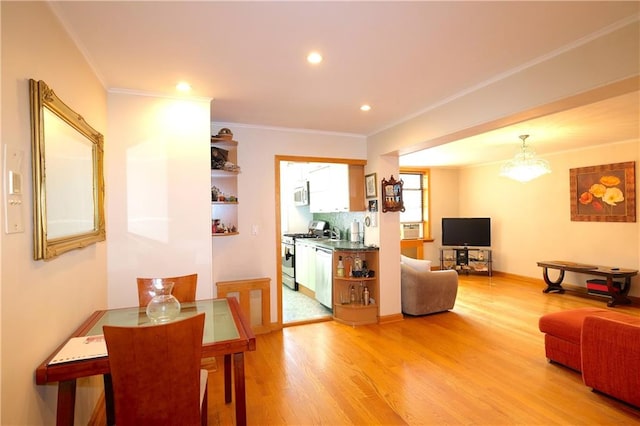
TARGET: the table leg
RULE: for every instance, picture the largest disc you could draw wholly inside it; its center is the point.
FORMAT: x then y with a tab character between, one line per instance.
553	285
241	405
227	378
66	402
108	400
618	296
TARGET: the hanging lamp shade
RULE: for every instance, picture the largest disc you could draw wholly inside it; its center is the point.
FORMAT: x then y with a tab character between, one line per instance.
525	166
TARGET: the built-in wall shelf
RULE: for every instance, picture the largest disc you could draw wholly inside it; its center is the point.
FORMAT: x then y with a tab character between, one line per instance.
224	187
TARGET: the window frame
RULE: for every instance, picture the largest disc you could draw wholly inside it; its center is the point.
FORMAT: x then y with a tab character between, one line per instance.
426	198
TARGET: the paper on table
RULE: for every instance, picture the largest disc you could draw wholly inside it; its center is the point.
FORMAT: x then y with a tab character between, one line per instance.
78	348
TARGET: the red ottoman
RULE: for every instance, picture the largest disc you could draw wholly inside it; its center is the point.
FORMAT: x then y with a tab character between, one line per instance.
562	335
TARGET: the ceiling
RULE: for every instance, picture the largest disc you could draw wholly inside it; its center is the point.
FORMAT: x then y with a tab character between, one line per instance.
399	57
613	120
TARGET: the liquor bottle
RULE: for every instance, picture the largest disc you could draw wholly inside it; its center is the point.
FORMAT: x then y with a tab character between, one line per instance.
365	295
357	265
340	268
352	294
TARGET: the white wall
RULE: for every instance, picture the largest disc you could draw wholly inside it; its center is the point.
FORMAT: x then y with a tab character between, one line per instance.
443	187
158	171
252	256
42	302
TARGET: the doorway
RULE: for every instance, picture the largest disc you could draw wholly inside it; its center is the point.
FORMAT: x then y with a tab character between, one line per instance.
296	306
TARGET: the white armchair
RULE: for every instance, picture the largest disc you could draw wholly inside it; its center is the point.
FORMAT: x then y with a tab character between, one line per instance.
424	291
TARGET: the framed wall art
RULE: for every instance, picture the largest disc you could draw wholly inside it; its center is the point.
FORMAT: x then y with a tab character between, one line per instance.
371	190
392	195
605	193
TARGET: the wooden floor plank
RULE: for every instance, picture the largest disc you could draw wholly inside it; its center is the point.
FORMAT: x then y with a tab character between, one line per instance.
483	363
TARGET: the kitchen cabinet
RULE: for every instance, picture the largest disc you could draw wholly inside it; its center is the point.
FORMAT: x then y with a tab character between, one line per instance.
323	276
305	265
224	187
354	310
336	188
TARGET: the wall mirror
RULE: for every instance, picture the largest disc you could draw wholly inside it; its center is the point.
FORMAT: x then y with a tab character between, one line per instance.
68	182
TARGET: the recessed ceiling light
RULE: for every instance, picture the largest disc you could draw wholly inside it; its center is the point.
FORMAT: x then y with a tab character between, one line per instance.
314	58
183	86
365	107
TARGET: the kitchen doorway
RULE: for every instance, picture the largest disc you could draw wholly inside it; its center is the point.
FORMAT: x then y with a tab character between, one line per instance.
293	215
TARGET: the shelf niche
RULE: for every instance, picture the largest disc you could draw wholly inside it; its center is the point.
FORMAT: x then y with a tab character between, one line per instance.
224	187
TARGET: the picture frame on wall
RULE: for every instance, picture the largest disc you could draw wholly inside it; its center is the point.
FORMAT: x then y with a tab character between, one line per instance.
603	193
392	195
371	189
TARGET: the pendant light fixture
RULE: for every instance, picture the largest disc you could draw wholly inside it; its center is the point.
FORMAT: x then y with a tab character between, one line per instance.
525	166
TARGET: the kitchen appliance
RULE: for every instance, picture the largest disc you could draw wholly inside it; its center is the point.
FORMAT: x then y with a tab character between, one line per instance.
288	262
316	229
319	228
354	233
301	195
410	231
323	276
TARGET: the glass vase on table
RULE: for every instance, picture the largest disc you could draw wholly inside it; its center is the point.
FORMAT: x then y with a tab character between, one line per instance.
163	306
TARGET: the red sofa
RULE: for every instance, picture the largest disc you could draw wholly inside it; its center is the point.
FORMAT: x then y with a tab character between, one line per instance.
611	356
603	344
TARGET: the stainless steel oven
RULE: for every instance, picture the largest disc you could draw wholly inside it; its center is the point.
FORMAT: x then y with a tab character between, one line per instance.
288	262
317	229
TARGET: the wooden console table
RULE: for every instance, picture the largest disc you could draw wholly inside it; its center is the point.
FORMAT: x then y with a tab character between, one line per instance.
618	295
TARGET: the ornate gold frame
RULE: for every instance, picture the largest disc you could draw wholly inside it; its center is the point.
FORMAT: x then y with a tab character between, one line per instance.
76	231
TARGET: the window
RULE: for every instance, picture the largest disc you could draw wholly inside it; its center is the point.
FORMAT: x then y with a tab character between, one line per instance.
415	194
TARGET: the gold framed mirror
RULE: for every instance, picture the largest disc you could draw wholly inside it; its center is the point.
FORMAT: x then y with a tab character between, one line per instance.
68	182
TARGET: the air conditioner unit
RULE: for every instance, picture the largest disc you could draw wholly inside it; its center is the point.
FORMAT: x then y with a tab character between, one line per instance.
410	231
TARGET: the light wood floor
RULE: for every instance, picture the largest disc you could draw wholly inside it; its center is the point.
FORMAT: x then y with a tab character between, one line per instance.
482	363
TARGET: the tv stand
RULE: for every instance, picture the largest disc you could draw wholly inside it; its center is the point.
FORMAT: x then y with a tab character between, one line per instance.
466	259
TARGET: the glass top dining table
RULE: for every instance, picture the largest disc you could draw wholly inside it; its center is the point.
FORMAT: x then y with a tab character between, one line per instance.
226	333
218	326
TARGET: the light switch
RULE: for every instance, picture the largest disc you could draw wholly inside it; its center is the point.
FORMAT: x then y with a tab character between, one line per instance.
14	190
15	183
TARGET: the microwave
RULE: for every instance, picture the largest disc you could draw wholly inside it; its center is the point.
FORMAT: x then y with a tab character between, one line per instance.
301	195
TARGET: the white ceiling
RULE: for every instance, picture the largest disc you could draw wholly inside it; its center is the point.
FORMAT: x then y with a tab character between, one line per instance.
400	57
613	120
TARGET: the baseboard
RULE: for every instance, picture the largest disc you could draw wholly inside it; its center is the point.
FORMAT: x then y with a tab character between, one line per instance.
390	318
306	291
579	290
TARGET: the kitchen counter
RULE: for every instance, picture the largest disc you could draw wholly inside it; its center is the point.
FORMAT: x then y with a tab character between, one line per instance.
339	244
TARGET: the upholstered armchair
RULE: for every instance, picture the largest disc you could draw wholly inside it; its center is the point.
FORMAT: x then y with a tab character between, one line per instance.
425	291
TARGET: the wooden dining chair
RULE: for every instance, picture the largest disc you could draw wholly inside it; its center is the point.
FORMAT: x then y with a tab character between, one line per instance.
184	288
156	374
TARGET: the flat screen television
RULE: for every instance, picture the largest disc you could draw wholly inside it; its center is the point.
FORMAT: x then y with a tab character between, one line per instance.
466	231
